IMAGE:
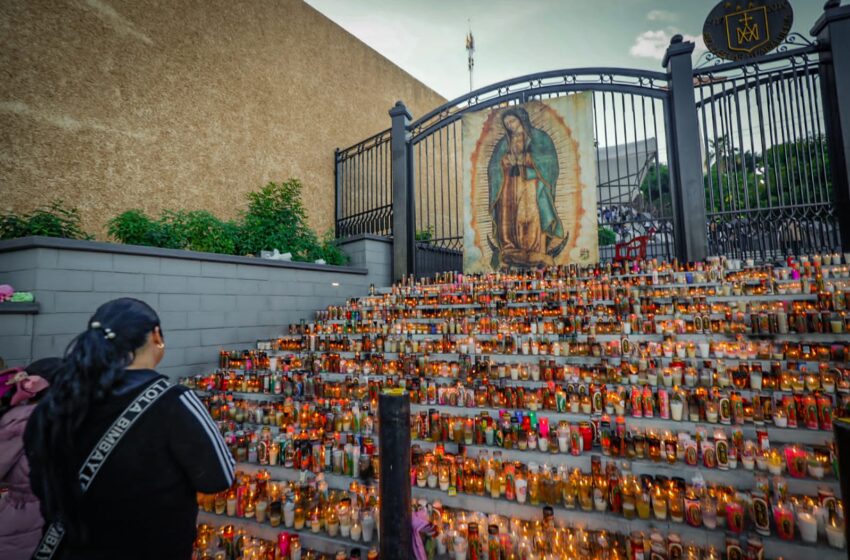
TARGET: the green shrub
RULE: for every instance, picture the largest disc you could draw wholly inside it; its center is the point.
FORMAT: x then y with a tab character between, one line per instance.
204	232
276	219
424	235
195	231
328	250
53	220
606	236
134	227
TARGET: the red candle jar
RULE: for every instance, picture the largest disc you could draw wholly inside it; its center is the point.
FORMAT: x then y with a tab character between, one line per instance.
795	458
735	516
784	518
283	540
586	435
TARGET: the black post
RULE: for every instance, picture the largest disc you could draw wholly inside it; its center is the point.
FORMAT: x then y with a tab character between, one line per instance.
337	194
403	235
394	435
686	182
841	430
832	30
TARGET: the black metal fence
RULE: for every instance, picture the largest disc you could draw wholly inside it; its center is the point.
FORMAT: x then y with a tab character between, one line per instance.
767	179
751	139
364	202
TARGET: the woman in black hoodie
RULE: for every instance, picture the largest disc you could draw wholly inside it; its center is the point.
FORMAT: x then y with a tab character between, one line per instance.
116	453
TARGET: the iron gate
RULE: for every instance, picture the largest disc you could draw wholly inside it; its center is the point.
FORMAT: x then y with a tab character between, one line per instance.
768	188
629	114
364	203
634	192
730	158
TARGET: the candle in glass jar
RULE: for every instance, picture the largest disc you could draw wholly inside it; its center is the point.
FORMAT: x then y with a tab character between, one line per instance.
368	523
356	531
808	526
295	548
659	503
735	516
260	509
231	504
784	517
835	533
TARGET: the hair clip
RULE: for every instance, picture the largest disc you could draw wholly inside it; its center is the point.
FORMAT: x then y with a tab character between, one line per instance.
95	325
109	334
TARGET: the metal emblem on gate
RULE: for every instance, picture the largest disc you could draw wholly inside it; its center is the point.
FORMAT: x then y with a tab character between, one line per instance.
746	29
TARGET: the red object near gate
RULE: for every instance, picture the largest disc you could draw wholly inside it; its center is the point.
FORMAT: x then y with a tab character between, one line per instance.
634	249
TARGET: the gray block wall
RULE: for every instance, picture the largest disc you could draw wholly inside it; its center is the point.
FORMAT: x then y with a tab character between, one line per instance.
373	253
206	302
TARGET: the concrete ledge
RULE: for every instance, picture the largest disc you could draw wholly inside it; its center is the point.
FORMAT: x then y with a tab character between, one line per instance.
19	308
38	242
365	237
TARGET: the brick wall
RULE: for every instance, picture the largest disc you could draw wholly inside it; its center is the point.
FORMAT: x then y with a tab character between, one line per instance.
206	302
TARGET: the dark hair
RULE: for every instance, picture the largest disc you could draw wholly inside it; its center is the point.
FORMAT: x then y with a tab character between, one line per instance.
6	402
45	368
94	361
523	117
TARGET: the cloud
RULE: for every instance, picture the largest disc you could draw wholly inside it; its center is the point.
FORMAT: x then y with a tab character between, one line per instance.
654	43
660	15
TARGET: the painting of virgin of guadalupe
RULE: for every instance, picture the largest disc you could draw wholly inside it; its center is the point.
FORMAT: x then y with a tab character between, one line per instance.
523	175
529	185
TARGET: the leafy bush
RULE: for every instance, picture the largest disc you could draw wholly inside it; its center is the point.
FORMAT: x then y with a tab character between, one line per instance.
424	235
606	236
276	219
134	227
201	231
328	250
53	220
196	231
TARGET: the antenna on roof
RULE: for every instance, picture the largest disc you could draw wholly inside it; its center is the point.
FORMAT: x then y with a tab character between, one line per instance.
470	51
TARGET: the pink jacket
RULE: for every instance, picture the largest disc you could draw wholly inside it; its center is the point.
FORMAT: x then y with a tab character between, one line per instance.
20	518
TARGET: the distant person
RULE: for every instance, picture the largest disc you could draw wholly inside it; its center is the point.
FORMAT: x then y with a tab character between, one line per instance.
117	453
20	519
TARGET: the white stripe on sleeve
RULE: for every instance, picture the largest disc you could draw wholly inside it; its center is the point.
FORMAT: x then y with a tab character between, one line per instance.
204	417
203	411
226	467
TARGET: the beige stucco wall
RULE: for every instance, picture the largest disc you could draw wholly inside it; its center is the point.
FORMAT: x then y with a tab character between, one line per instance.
153	104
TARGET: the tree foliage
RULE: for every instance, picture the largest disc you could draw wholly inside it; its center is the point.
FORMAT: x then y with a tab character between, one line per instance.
606	236
785	174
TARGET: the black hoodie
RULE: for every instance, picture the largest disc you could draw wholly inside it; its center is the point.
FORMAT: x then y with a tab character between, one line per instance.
142	503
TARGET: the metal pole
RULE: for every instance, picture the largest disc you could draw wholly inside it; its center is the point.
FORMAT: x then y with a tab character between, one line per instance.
403	236
687	188
832	30
841	429
337	192
394	435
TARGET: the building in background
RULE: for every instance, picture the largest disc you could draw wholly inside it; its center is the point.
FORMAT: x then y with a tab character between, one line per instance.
118	104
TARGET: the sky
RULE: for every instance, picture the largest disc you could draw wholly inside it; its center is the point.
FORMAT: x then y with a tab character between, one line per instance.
516	37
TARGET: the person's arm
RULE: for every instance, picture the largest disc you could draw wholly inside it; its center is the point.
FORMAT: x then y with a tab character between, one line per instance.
198	446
